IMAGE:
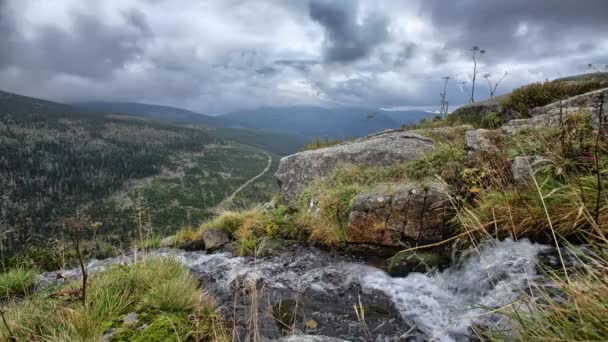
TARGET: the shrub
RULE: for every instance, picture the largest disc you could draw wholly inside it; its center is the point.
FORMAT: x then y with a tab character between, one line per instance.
17	282
535	95
491	121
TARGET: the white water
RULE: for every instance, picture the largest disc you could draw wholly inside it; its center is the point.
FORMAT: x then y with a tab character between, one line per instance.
443	305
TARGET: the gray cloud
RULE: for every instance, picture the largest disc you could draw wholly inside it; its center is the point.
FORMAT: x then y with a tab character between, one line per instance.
221	55
346	40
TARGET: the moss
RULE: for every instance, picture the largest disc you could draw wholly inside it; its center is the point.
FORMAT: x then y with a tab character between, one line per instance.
164	327
418	261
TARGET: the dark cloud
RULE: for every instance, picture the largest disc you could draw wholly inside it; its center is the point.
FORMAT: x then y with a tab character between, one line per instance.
220	55
520	29
346	40
90	49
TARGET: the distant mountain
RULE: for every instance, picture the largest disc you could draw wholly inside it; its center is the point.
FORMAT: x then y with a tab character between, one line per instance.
322	122
408	116
156	112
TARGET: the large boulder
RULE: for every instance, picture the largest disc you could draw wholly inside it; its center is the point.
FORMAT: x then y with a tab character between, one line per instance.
411	213
297	171
551	114
478	140
474	112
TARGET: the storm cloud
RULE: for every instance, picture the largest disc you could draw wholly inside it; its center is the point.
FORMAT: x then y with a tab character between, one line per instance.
347	40
221	55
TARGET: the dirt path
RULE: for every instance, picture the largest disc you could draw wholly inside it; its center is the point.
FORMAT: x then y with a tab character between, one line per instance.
230	198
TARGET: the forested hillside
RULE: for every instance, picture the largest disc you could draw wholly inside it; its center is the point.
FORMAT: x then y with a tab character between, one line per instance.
55	159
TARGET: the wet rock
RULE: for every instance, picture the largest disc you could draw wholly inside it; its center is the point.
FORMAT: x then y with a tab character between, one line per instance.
411	212
197	244
169	241
269	247
214	238
418	261
523	167
297	171
309	338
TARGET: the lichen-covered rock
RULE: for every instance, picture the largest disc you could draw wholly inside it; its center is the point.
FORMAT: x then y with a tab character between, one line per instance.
408	213
523	166
297	171
550	114
478	140
214	238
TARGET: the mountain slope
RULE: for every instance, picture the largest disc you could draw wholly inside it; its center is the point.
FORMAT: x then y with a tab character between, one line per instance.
156	112
56	159
319	122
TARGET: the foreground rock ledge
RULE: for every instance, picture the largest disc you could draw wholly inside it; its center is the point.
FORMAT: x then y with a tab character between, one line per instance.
409	213
297	171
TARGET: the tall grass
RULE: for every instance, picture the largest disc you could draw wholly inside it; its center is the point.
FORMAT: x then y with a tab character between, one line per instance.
17	282
154	288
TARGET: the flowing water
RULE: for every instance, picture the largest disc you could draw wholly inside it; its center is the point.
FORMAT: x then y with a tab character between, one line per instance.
326	287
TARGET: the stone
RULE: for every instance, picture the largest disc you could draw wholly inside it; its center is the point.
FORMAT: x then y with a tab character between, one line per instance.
130	319
297	171
311	324
418	261
478	140
169	241
520	167
409	213
549	115
197	244
214	238
474	112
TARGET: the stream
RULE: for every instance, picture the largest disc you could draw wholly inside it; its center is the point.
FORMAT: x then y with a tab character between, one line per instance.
322	293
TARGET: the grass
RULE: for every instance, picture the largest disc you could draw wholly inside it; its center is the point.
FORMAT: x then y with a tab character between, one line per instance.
321	143
578	313
17	282
157	289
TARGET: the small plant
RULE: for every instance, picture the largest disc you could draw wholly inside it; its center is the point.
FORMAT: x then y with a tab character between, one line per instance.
491	121
17	282
321	143
476	53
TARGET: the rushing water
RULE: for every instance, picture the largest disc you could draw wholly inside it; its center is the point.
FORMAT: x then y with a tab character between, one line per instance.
437	305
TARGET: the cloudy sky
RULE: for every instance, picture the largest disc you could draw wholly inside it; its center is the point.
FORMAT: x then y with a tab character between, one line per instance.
215	56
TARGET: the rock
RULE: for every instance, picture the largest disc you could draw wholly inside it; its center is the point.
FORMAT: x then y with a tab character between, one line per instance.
214	238
412	212
418	261
474	112
268	247
297	171
311	324
549	115
520	167
130	319
198	244
309	338
169	241
478	140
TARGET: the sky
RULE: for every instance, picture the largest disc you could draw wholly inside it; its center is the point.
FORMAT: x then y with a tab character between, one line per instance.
217	56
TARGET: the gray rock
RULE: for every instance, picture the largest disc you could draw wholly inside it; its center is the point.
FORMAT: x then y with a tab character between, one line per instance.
478	140
297	171
474	112
549	115
521	167
214	238
411	212
130	319
169	241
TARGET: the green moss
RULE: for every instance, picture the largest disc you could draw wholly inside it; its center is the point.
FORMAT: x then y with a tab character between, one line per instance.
164	327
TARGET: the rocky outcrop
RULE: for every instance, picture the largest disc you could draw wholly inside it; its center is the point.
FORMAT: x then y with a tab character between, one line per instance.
409	213
297	171
550	114
473	112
